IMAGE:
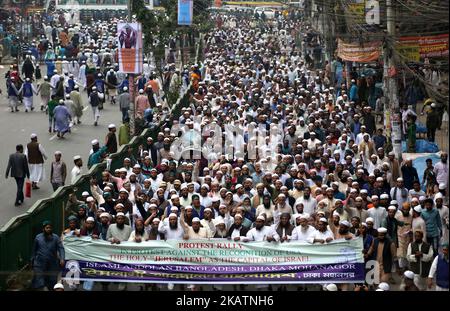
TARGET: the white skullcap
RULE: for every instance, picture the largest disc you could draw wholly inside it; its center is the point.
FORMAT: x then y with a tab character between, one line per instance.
441	186
331	288
104	215
188	207
58	286
345	223
90	199
438	196
219	221
379	179
392	208
369	219
173	215
336	214
384	286
156	219
77	157
399	179
207	210
363	191
215	199
85	193
94	142
394	202
418	209
409	274
374	197
422	198
120	213
323	219
111	126
384	196
261	217
364	224
195	219
238	216
123	190
33	135
304	216
381	229
90	219
58	152
174	196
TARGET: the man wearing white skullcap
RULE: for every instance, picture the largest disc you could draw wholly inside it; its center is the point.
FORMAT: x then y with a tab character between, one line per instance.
119	231
399	193
171	228
384	286
76	171
439	270
303	232
323	233
378	213
208	221
383	250
444	214
195	231
409	286
58	171
260	232
420	256
441	170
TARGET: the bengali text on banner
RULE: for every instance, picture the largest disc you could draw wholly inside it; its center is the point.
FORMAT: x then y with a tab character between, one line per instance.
214	261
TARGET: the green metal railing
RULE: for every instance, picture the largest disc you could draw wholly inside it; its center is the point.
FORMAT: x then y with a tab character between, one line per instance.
17	236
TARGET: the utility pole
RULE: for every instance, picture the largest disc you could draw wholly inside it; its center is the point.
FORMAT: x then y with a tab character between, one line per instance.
131	83
392	120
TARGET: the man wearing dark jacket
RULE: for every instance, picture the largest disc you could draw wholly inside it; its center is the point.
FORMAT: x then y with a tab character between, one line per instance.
18	165
237	230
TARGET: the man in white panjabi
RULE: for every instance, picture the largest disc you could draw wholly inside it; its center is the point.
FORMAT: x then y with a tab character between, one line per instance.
304	232
260	233
76	171
36	155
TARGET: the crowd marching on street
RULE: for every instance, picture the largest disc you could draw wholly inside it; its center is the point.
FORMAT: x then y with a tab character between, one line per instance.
285	150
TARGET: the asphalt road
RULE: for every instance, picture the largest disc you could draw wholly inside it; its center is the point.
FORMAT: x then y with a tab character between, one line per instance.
16	128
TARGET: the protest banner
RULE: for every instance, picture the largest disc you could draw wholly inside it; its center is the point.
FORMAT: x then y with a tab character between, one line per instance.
360	53
215	261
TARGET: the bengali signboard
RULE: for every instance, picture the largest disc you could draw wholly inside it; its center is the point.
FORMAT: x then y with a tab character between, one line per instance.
214	261
416	48
129	38
360	53
185	12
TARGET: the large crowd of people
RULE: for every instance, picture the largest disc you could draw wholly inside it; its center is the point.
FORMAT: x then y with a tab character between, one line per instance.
269	148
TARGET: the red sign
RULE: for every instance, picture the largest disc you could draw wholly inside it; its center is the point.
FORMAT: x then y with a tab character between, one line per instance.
429	46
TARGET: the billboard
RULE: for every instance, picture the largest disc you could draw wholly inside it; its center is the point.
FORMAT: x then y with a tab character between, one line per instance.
185	12
129	38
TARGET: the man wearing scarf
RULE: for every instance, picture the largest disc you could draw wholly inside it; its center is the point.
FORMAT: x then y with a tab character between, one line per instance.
284	228
47	257
419	255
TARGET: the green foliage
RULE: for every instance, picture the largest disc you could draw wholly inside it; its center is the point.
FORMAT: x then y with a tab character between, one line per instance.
160	25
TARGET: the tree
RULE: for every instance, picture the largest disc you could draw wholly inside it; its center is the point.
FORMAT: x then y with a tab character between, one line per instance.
159	26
